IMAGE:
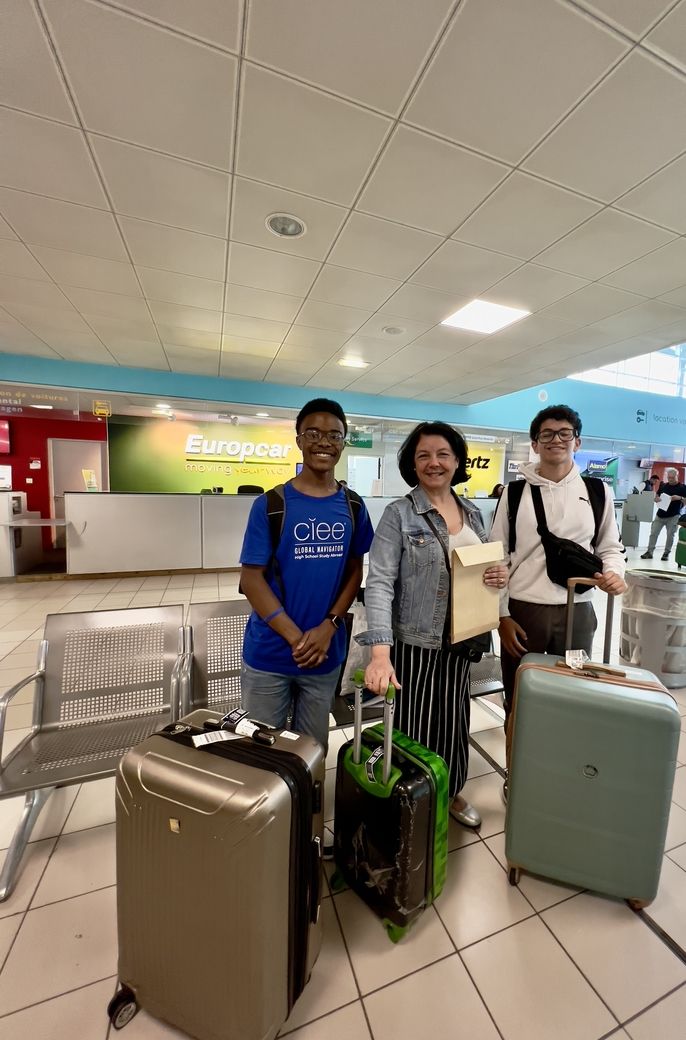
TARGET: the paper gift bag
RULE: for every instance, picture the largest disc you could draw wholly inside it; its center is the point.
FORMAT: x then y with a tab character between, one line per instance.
474	607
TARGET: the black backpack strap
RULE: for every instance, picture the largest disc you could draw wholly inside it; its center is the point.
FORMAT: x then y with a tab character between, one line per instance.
596	496
515	490
276	514
354	503
539	509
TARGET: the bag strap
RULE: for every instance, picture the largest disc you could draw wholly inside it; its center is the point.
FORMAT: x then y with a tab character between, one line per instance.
541	522
596	496
515	490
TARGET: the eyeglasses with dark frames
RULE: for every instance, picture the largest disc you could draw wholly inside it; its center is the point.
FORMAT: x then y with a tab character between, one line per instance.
565	435
312	434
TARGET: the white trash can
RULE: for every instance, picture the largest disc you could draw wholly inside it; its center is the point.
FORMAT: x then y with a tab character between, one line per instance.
653	632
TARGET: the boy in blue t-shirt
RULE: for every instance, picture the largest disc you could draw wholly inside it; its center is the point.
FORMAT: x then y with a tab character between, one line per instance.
295	643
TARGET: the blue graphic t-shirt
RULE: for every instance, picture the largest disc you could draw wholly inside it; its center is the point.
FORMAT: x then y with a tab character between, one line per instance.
316	540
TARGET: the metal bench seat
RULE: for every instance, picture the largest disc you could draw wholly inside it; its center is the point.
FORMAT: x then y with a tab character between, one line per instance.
211	671
486	676
105	680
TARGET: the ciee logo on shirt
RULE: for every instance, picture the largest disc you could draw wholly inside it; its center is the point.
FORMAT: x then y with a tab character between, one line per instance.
318	538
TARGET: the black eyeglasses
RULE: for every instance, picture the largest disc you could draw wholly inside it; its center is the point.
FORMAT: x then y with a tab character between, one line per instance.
313	435
548	436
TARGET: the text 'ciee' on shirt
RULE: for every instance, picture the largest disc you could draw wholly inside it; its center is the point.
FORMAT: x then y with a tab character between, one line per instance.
316	541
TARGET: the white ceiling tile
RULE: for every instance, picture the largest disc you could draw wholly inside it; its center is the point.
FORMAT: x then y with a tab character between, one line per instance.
302	139
258	303
145	85
30	292
88	272
331	377
16	340
302	369
241	366
254	202
115	331
661	198
428	183
445	341
255	328
307	355
288	374
591	304
457	267
250	347
668	39
380	247
530	43
62	225
141	355
369	349
194	362
528	332
654	274
646	316
532	287
604	243
301	341
676	297
172	249
108	304
618	135
404	329
15	259
421	303
332	316
181	288
352	288
5	230
63	319
174	336
186	317
264	269
574	343
216	21
631	16
338	46
523	216
163	189
31	80
75	350
48	159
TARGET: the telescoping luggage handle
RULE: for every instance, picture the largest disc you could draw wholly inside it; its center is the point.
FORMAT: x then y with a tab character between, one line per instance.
570	616
388	712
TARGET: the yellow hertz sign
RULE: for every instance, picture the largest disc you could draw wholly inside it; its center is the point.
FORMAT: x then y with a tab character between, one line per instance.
485	465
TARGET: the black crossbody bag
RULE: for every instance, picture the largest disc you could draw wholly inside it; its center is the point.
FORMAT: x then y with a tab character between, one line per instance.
564	558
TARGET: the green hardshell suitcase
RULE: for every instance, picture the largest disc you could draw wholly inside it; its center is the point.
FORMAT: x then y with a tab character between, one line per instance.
591	775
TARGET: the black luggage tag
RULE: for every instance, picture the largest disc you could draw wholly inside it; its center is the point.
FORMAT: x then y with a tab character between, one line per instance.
237	722
376	756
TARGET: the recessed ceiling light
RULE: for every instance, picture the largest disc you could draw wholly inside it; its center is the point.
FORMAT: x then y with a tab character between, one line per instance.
353	362
392	330
480	316
286	225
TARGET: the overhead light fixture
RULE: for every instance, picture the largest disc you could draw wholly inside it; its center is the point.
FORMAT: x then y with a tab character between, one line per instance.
164	407
353	362
392	330
286	225
261	415
481	316
46	407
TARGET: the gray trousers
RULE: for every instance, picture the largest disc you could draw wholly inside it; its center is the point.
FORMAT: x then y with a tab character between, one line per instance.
670	524
545	629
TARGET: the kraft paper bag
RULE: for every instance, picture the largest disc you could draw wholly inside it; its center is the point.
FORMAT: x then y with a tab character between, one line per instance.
475	607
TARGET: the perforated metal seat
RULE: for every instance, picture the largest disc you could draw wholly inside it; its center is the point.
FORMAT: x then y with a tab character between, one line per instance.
486	676
105	680
211	672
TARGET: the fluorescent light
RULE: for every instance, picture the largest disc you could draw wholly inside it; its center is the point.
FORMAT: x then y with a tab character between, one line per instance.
261	415
480	316
163	406
47	407
353	362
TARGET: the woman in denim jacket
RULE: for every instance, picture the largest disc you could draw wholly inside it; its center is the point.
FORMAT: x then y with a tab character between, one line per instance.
407	598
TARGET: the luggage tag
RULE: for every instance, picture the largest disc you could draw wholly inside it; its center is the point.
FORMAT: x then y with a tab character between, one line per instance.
376	756
237	724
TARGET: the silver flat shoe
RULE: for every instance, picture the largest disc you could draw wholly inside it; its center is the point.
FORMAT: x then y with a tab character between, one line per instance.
468	817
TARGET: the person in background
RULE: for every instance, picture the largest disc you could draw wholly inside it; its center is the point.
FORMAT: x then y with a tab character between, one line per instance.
666	517
651	484
497	491
533	608
407	597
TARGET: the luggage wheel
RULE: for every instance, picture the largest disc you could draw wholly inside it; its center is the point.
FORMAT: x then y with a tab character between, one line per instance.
337	881
513	875
395	932
638	904
122	1007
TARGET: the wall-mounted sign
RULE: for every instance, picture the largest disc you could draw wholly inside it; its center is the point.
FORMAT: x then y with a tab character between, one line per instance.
35	464
485	465
359	439
103	409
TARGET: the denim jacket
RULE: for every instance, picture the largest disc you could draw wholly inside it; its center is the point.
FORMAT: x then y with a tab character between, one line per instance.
407	593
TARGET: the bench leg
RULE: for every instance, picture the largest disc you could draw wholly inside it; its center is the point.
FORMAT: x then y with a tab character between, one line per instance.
33	803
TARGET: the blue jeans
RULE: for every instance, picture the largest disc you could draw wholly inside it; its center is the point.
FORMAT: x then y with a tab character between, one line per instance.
271	698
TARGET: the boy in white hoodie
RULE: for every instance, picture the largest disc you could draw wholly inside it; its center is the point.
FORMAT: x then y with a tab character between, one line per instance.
532	609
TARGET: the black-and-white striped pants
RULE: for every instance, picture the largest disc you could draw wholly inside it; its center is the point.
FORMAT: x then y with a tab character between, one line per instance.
433	704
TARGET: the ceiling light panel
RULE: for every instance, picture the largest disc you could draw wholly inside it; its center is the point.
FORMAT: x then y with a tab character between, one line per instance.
481	316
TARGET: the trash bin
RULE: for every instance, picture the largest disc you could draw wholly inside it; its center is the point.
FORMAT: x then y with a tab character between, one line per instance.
653	632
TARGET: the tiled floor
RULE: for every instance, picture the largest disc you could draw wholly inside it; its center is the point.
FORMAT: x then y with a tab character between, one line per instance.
541	962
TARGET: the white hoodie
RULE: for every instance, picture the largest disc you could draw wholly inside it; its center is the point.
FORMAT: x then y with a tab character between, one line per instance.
568	514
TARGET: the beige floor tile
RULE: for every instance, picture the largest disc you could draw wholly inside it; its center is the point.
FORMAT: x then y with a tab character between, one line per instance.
93	807
159	581
128	584
540	892
459	836
9	926
347	1024
478	766
82	862
533	990
669	908
493	743
145	1027
679	793
678	855
377	961
481	718
59	948
665	1021
676	829
81	1013
623	960
332	983
484	792
19	715
50	821
424	1004
10	676
337	738
32	866
681	753
477	899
